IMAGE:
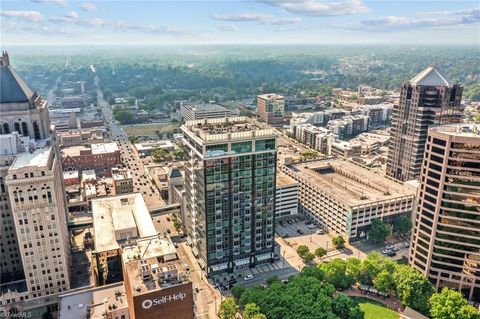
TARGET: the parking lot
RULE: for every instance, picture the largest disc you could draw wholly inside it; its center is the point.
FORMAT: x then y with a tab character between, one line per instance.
294	231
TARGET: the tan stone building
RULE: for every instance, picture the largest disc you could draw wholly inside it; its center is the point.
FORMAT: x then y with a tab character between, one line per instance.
445	242
34	238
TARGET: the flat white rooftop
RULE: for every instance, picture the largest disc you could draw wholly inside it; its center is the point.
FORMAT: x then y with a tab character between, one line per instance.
96	300
118	213
37	158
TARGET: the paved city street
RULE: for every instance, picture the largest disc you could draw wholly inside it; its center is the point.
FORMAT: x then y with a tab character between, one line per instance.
130	159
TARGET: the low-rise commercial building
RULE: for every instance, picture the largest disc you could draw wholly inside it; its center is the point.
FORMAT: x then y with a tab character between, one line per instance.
122	181
345	198
156	283
100	157
146	148
95	302
117	221
286	196
80	136
200	111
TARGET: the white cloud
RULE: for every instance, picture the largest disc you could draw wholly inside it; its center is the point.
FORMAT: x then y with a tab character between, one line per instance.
31	16
89	6
256	17
96	22
320	8
243	17
72	15
228	27
397	23
285	21
62	3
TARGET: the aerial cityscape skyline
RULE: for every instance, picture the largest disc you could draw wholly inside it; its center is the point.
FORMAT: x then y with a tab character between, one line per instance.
259	159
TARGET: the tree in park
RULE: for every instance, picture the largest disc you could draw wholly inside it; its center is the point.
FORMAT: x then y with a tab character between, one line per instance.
308	257
384	282
412	288
345	308
312	271
320	252
451	304
403	225
228	308
302	250
353	268
336	273
237	291
252	311
338	242
379	231
372	266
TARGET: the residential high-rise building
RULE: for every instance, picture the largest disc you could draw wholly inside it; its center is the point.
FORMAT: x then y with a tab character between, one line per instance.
445	242
271	108
230	193
426	100
34	238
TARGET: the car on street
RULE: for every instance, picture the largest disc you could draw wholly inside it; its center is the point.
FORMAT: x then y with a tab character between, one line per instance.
248	277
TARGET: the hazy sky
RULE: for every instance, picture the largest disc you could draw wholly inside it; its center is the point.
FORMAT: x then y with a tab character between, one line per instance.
234	21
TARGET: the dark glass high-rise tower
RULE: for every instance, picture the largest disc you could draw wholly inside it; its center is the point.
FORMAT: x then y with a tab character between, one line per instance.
426	100
230	193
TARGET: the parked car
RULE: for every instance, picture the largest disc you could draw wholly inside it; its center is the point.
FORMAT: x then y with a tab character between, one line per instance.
308	222
289	221
300	231
187	268
248	277
312	226
320	232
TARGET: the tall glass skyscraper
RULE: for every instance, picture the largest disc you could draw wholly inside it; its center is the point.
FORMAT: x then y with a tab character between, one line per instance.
230	188
426	100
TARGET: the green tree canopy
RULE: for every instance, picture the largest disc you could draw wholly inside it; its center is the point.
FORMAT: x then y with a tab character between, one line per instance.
450	304
338	242
302	250
412	288
403	225
379	231
251	310
320	252
345	308
336	273
228	309
384	282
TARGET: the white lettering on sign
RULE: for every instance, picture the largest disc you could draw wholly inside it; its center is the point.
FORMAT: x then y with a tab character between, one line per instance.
148	303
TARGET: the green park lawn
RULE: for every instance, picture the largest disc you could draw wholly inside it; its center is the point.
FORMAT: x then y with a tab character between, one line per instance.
375	310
